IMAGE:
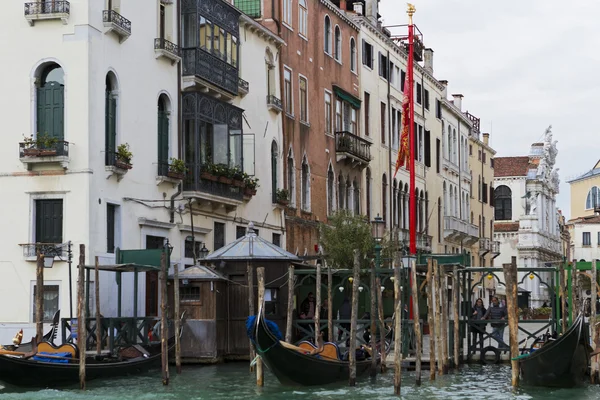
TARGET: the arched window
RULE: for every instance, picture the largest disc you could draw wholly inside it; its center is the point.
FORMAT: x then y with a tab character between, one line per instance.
368	183
426	211
51	102
274	170
384	190
270	67
394	203
341	192
454	148
400	203
503	201
330	190
449	143
110	118
349	194
337	49
163	135
439	226
327	35
593	198
305	185
356	197
445	199
353	55
291	178
302	18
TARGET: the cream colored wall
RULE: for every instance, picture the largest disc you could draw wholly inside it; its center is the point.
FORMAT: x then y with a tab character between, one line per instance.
579	192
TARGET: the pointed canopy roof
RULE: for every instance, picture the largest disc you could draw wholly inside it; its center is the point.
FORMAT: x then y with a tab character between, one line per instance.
249	248
199	273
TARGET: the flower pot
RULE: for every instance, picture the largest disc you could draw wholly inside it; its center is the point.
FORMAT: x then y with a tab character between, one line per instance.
225	180
50	152
122	165
238	183
249	192
207	176
31	152
175	175
283	202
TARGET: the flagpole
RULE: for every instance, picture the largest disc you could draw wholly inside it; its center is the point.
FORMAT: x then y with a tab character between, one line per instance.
412	200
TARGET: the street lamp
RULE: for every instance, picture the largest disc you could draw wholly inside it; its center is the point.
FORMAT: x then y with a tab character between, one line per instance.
203	252
377	228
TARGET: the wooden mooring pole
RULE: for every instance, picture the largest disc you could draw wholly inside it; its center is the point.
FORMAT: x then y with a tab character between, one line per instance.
563	299
445	321
373	327
260	277
438	318
397	332
176	302
353	318
39	297
455	316
290	305
329	303
575	290
593	322
163	318
81	317
382	330
416	321
250	273
510	275
317	315
430	317
98	315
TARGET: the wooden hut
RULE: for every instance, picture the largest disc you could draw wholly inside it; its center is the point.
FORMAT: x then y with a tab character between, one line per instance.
203	299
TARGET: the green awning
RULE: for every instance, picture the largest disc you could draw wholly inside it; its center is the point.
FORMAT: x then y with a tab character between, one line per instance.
342	94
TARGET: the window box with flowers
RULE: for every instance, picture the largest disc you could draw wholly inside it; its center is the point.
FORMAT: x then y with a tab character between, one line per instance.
224	173
237	175
42	146
282	196
207	172
123	157
177	169
250	185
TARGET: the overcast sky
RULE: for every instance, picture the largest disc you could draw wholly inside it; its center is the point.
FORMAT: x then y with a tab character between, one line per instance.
521	65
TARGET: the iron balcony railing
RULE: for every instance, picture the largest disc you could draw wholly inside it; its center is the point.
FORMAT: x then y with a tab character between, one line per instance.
194	183
48	7
346	142
243	85
249	7
198	62
484	244
496	247
275	102
59	148
457	224
47	249
164	44
117	19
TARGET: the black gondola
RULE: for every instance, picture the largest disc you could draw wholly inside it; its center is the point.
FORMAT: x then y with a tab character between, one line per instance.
48	337
19	371
294	368
559	363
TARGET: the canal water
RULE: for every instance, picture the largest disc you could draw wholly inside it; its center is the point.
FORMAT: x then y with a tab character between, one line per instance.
233	381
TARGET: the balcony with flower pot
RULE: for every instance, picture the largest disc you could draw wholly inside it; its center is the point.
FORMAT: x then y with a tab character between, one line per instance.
119	162
44	149
172	172
215	185
282	197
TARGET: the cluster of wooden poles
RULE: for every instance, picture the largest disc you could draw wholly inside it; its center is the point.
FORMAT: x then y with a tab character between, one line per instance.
81	313
438	318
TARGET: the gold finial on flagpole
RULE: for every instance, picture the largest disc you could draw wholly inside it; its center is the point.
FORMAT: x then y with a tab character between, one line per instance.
410	11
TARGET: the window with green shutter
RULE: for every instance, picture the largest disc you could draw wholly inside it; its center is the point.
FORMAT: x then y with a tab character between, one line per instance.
51	102
163	137
49	221
110	116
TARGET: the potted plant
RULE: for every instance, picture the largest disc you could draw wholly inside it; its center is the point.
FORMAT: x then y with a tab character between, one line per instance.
123	157
542	313
207	172
282	197
238	176
46	145
176	168
250	185
29	146
223	172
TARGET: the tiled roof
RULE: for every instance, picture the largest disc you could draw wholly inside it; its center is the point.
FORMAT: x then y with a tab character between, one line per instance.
506	226
593	219
511	166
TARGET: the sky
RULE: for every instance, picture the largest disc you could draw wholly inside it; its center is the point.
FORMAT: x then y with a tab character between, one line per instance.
521	65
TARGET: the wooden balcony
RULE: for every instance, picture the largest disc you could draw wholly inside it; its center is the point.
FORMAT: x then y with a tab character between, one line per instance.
353	149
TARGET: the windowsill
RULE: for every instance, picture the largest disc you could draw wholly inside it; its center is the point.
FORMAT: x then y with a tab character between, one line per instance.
308	213
303	37
354	72
290	116
338	61
367	67
287	26
330	55
305	123
331	135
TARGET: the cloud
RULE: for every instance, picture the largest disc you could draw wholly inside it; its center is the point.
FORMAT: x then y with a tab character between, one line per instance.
521	65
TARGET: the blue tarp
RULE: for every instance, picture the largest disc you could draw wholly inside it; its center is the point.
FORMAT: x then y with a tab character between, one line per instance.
40	357
272	327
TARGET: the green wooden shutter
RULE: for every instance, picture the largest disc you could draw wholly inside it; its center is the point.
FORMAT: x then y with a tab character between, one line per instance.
49	221
110	128
50	110
163	142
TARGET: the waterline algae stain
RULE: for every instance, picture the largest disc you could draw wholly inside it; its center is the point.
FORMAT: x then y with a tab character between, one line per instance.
233	381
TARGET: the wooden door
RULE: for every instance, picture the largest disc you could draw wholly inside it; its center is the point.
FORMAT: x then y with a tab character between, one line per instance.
50	110
238	313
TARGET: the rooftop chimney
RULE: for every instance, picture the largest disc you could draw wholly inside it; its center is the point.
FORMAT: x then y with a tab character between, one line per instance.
458	101
358	8
372	10
445	90
343	5
428	60
486	139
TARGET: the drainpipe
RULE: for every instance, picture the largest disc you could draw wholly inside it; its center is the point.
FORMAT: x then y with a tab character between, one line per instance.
284	145
389	106
179	114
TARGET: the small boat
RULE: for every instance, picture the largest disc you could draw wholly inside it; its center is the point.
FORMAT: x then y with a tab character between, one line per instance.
53	366
562	362
299	365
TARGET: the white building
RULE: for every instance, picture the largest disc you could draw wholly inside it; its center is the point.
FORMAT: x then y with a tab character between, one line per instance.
94	78
526	215
460	233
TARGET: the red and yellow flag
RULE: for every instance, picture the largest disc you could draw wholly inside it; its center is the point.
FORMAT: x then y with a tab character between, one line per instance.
404	150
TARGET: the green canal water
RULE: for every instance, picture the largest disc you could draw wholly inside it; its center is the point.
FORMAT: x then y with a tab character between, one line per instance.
233	381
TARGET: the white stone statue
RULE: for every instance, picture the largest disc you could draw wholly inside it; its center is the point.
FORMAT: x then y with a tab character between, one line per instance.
542	169
532	203
555	180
